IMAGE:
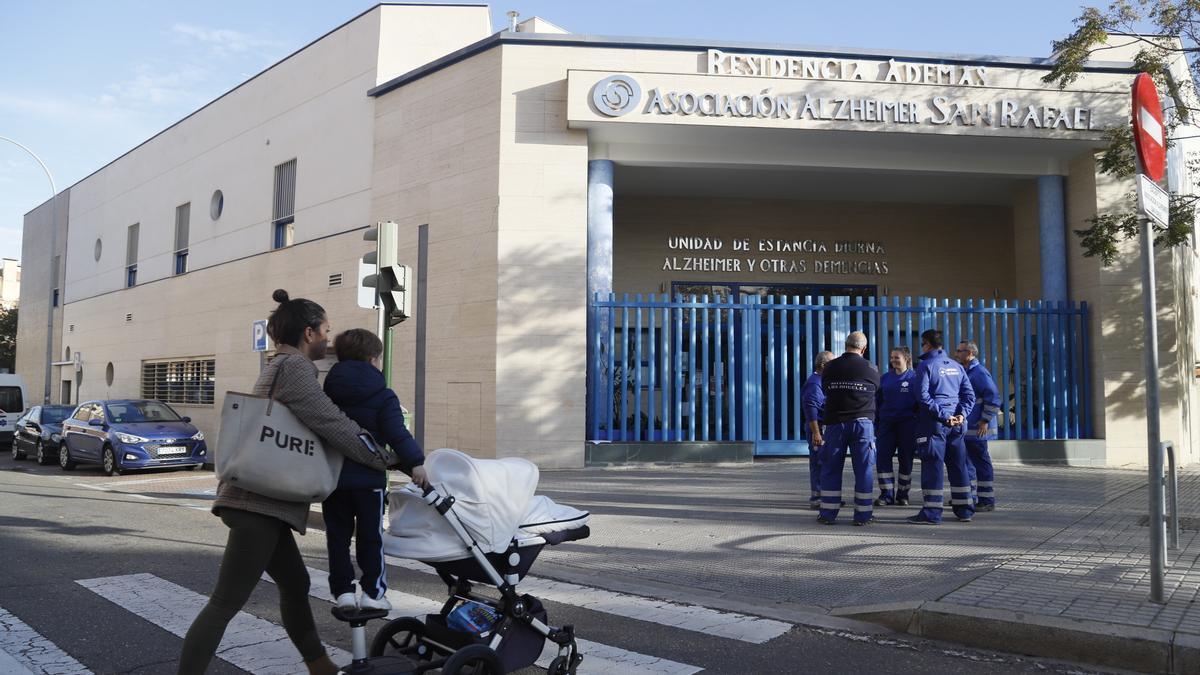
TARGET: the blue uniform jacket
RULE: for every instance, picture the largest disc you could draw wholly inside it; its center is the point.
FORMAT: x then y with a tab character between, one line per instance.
812	398
897	397
358	388
943	387
987	399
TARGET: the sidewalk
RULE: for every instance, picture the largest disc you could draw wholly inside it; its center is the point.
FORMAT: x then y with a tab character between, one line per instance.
1059	570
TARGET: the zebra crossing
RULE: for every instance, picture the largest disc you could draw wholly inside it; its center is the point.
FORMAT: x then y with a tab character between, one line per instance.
260	646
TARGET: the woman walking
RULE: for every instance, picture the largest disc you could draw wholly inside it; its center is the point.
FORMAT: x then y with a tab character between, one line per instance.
897	429
260	528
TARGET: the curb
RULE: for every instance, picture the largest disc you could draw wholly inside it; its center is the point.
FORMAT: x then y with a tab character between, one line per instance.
1095	642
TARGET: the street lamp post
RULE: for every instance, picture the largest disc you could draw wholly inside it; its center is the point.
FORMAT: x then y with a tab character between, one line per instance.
53	246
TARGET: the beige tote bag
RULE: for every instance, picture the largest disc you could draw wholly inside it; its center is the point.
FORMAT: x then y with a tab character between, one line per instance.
264	448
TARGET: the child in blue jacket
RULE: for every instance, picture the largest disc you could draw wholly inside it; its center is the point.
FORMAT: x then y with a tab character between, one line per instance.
356	385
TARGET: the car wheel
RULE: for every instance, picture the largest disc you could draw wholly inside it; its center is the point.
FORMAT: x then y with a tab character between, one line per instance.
17	455
64	458
108	460
41	456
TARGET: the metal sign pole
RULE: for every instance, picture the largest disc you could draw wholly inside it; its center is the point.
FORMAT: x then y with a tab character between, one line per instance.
1153	434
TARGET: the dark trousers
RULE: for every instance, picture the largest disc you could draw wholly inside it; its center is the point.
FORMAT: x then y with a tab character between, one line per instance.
892	439
256	544
814	472
358	514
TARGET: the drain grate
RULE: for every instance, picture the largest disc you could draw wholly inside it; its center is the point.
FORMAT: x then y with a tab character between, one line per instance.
1185	523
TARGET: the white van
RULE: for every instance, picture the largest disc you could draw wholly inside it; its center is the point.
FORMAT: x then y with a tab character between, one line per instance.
12	406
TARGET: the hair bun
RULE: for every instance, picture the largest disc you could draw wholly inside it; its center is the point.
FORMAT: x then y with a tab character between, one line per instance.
280	295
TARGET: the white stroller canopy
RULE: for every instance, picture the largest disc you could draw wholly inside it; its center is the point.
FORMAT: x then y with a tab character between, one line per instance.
493	498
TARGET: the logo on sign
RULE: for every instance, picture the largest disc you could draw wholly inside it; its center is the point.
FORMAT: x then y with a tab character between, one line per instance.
616	95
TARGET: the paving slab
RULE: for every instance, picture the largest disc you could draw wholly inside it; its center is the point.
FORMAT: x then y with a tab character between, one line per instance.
1059	569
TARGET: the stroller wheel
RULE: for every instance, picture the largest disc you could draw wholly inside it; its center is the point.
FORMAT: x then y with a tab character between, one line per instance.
473	660
561	665
402	637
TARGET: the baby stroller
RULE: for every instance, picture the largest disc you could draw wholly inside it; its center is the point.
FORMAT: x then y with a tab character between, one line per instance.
478	522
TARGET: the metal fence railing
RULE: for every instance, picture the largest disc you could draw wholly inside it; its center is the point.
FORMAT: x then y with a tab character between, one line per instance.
696	369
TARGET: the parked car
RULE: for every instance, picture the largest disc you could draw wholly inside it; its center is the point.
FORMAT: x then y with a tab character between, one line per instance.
12	405
126	434
39	431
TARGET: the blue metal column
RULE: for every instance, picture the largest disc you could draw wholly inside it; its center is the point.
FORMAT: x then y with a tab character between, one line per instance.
599	259
1052	224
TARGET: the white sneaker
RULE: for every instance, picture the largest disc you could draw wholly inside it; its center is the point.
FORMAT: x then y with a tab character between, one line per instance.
347	601
371	603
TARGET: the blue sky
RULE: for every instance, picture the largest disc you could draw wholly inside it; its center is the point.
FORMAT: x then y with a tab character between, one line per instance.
83	82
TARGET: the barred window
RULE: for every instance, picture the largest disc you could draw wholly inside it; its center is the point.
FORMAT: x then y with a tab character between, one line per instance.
283	211
188	381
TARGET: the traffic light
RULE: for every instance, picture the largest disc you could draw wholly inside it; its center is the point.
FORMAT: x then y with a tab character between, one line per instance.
391	279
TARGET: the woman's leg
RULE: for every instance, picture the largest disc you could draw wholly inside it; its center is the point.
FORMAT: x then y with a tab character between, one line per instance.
287	568
251	545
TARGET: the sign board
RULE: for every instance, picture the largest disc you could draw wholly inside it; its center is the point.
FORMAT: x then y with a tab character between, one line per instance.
258	335
366	294
1153	200
1148	133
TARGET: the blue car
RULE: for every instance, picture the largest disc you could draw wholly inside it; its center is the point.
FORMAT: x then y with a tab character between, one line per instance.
126	434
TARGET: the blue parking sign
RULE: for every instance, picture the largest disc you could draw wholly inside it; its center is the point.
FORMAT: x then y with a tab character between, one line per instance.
258	334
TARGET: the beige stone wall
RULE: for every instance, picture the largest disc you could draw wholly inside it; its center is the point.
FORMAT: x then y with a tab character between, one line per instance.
1119	337
208	313
436	162
931	250
35	299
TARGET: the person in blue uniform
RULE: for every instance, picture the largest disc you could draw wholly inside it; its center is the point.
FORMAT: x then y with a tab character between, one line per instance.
981	426
946	399
812	400
896	430
849	382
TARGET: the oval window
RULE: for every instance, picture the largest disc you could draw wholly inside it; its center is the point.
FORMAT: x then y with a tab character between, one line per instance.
108	373
99	248
217	205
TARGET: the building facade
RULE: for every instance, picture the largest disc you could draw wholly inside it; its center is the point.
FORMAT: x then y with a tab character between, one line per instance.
10	283
534	172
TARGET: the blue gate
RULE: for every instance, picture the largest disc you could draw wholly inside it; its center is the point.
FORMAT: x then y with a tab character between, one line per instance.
695	369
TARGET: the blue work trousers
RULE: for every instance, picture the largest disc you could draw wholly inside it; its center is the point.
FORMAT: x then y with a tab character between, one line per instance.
814	472
983	485
858	439
942	451
895	438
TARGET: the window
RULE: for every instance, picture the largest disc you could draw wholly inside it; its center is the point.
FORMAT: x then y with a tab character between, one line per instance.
183	216
141	411
83	413
188	381
11	400
283	212
53	414
131	254
54	281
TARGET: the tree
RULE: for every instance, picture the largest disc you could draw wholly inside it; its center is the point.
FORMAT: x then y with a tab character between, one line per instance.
8	339
1089	40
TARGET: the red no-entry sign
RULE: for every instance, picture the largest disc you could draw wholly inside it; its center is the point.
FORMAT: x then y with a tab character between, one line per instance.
1148	133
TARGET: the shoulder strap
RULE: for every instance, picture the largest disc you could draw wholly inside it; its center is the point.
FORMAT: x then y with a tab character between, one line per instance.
274	381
